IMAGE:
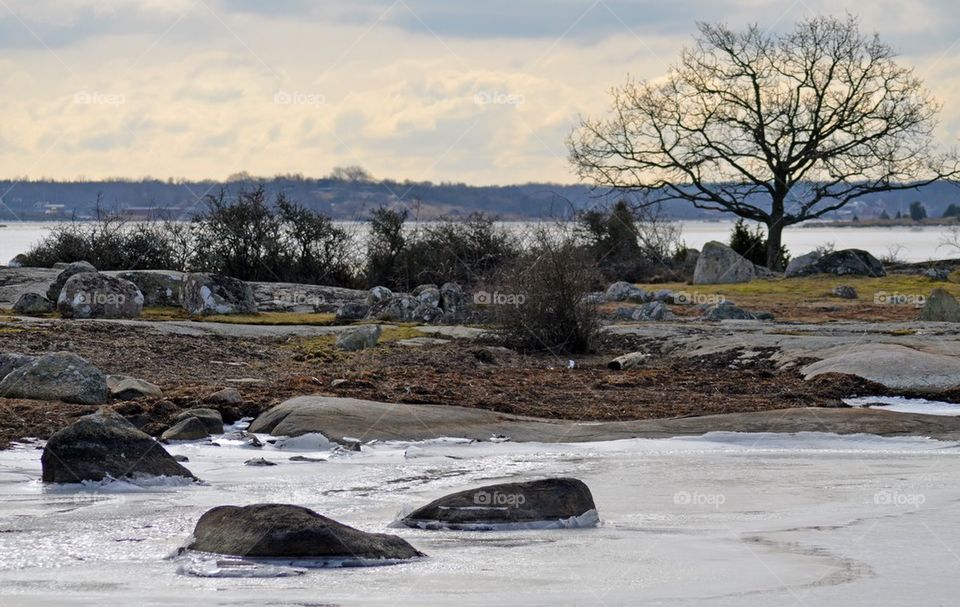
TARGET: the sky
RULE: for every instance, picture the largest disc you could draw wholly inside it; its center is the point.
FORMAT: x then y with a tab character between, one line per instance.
441	90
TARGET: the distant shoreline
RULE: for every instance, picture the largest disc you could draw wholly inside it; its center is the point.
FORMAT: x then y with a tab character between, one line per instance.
884	223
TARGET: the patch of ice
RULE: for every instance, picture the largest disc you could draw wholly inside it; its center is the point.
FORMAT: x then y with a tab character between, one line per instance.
900	404
312	441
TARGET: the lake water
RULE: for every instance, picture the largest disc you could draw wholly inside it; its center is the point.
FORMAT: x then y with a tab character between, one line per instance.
911	243
726	519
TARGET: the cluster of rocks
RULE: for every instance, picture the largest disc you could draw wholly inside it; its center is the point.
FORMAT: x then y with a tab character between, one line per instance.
194	424
848	262
66	377
727	310
426	304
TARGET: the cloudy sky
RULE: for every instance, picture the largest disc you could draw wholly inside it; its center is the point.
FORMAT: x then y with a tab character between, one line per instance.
481	92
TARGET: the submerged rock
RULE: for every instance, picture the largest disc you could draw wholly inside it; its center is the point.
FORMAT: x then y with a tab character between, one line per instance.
105	445
283	530
557	502
57	376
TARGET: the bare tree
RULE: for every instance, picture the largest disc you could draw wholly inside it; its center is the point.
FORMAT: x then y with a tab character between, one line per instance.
772	128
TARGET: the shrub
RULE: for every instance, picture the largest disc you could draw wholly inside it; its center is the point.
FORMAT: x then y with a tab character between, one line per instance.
752	244
539	303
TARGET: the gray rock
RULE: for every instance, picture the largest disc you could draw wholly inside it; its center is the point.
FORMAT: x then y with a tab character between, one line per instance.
190	428
211	418
160	288
941	274
105	445
848	262
282	530
206	294
227	396
728	311
130	388
798	265
12	360
453	300
625	291
399	308
378	295
53	293
552	500
181	458
940	306
719	264
33	303
844	292
295	297
664	295
428	294
95	295
352	311
57	376
654	310
896	367
259	461
358	338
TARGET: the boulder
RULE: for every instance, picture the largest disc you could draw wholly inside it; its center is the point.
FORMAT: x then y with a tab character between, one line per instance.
358	338
654	310
259	461
625	291
53	292
352	311
227	396
210	418
105	445
302	298
378	295
33	303
283	530
189	428
844	292
664	295
555	502
728	311
95	295
940	306
848	262
896	367
428	294
719	264
399	308
160	288
130	388
206	294
57	376
940	274
798	265
12	360
453	300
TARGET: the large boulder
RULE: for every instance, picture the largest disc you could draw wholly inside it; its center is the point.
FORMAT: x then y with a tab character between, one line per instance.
352	311
719	264
555	502
283	530
378	295
453	300
77	267
160	288
428	294
798	265
211	419
940	306
57	376
398	308
33	303
105	445
358	338
205	294
189	428
848	262
95	295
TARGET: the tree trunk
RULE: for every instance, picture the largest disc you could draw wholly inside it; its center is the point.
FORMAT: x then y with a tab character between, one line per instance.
774	241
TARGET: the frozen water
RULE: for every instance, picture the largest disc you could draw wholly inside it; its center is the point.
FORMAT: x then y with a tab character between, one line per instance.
906	405
724	519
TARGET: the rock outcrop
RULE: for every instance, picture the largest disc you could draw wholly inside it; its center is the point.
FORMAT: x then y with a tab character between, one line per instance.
848	262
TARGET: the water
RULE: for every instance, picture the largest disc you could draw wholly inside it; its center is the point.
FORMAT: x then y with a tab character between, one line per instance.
917	243
723	519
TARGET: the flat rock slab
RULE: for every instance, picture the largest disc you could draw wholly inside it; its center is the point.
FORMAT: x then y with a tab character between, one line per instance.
894	366
341	418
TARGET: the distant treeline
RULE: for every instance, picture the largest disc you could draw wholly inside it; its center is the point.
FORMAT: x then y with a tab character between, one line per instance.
351	194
